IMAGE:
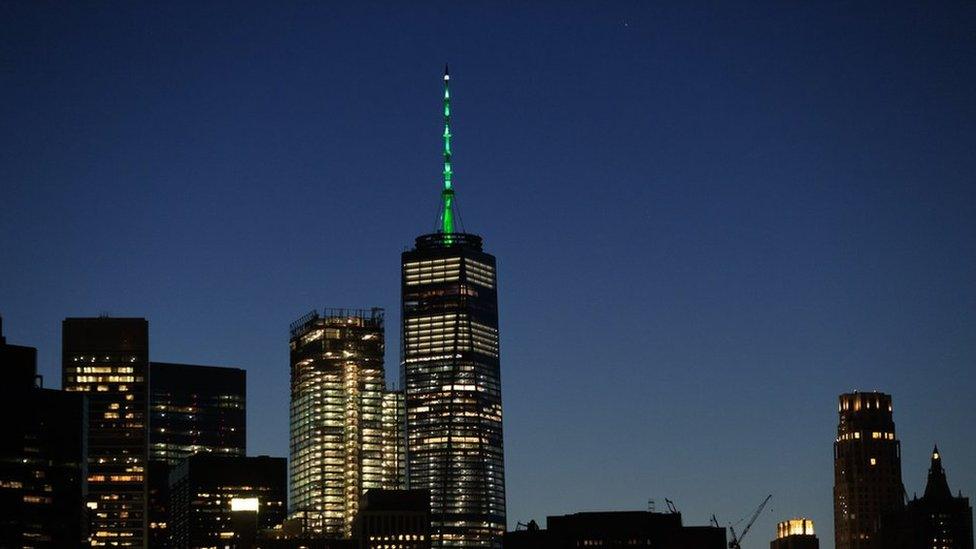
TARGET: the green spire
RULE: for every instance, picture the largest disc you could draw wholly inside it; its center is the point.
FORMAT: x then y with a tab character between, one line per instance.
447	195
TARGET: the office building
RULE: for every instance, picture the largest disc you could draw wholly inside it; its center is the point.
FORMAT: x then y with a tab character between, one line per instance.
220	501
192	409
42	457
306	543
451	371
937	520
157	512
394	451
292	534
795	533
394	519
345	426
196	409
867	469
605	530
107	359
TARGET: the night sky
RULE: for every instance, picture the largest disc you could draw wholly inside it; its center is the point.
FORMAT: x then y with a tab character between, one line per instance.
709	220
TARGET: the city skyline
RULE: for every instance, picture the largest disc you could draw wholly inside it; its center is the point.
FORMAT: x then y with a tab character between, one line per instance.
731	244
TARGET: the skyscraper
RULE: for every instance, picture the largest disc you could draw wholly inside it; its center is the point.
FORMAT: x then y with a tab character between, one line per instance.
42	458
344	424
937	520
196	409
450	366
867	469
192	409
108	359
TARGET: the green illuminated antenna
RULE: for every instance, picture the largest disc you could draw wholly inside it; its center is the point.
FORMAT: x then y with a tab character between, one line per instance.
447	195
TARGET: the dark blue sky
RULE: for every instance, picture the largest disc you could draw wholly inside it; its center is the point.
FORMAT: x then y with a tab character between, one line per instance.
709	219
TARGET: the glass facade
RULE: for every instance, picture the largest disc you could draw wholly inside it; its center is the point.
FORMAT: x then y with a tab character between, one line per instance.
451	372
192	409
196	409
345	426
107	359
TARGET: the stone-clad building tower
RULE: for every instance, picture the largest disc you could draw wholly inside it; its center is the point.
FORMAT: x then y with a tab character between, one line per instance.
937	520
867	469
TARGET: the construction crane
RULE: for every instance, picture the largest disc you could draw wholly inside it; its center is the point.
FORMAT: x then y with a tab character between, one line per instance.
737	540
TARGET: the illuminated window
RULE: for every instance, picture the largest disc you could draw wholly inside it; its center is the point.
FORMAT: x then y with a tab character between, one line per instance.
244	504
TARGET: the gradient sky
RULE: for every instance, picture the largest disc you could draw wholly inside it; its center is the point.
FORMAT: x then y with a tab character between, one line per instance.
710	220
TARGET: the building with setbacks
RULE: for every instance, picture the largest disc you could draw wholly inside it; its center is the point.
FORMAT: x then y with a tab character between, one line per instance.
867	469
937	520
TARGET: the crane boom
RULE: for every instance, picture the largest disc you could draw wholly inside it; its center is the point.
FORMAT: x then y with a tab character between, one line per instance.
737	540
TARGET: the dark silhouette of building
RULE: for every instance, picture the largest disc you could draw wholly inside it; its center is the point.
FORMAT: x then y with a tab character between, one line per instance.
937	520
867	469
42	456
293	534
192	409
158	504
219	501
795	534
195	409
617	529
450	364
305	543
394	519
346	428
108	360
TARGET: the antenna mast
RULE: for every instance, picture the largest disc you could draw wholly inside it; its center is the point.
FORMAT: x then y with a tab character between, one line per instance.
447	195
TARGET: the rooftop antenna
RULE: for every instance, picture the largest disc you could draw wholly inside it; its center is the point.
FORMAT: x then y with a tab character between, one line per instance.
447	226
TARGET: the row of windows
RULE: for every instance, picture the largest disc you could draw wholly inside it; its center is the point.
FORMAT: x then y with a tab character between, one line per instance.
480	273
875	435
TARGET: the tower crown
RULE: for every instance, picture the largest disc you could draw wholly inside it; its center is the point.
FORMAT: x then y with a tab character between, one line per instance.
937	486
794	527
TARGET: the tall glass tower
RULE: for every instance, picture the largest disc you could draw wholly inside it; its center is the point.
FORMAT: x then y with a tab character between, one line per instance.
450	368
345	425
